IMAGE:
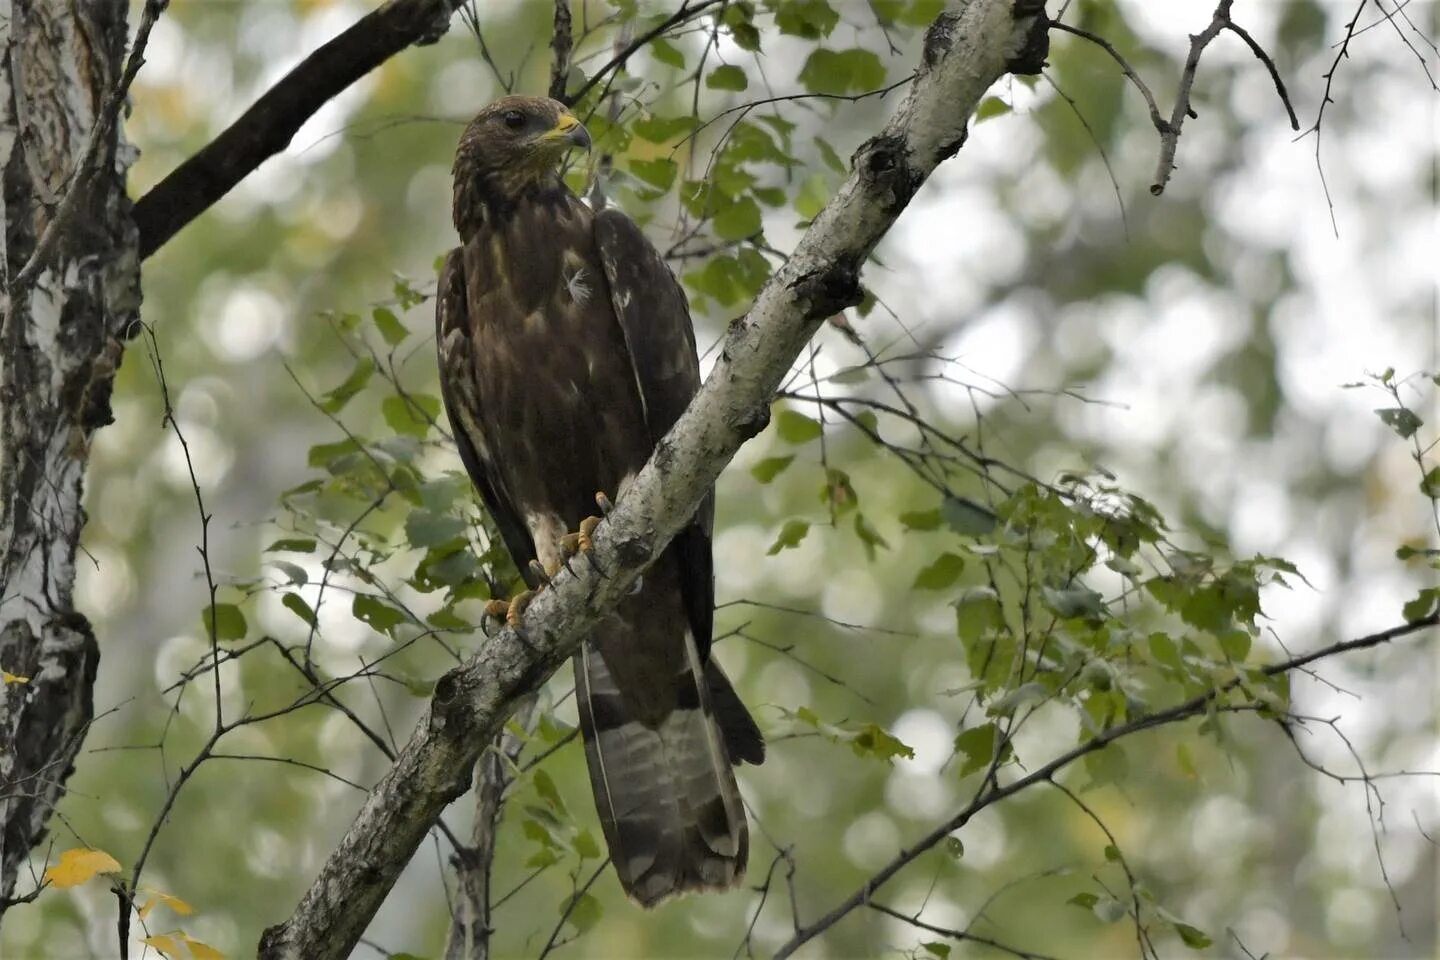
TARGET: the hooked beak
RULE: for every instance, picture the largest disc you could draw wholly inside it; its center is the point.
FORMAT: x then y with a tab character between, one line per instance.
570	130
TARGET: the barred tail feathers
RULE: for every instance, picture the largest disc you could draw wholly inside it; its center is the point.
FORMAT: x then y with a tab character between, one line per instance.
666	796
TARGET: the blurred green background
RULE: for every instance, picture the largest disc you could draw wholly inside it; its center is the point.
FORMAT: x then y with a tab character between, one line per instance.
1192	345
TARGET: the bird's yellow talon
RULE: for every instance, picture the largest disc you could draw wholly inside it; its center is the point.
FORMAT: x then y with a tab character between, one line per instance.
516	610
587	532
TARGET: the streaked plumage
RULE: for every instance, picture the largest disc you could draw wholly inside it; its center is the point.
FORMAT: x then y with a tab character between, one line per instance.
565	353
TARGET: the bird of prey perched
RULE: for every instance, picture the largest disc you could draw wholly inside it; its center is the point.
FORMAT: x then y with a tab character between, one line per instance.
566	352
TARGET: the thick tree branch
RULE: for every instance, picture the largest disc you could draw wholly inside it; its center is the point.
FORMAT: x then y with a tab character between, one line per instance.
266	128
965	51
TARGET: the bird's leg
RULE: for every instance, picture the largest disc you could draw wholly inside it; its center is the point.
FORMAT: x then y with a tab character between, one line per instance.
583	541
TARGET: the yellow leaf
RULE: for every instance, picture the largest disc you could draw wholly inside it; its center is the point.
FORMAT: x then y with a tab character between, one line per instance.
78	865
157	897
8	677
165	945
202	951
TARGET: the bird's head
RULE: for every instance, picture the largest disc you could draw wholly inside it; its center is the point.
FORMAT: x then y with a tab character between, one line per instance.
518	142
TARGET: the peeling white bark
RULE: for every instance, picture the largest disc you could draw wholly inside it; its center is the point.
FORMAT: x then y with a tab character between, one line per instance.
58	353
965	52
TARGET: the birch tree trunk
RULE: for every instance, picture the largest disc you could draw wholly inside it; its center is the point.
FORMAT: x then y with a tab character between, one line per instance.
60	343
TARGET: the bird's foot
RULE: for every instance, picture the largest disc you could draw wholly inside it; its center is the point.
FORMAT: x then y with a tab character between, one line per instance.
509	612
583	540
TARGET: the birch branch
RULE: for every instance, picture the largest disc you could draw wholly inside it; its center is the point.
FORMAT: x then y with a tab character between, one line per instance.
968	48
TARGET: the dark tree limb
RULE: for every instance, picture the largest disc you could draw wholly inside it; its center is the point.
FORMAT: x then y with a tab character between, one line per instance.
266	128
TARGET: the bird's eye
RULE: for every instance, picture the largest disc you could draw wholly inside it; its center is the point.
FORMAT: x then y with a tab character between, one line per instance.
514	119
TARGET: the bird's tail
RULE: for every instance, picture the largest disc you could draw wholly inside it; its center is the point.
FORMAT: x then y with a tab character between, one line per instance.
665	793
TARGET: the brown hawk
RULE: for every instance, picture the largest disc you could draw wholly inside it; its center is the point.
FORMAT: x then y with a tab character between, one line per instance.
566	353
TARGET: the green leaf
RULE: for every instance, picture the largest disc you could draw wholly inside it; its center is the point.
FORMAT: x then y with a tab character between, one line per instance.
977	612
336	399
921	519
1085	901
1186	762
1025	694
869	537
296	604
941	573
545	787
584	911
1192	937
1422	606
446	619
667	53
1074	602
790	536
978	746
727	77
831	158
426	529
411	414
1430	484
1403	421
810	199
226	619
1235	644
659	173
294	573
586	847
1164	651
329	455
937	949
771	467
811	19
376	612
841	72
738	220
797	428
966	517
662	129
1107	765
875	741
389	326
991	107
1112	853
292	545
